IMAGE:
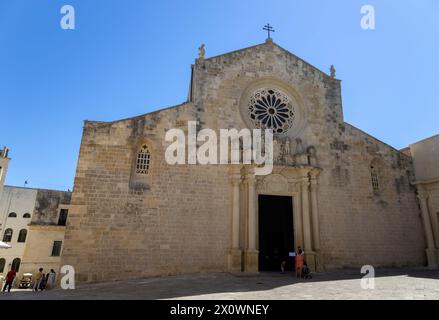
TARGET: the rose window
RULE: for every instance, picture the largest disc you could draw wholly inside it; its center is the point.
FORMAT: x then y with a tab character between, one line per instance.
271	109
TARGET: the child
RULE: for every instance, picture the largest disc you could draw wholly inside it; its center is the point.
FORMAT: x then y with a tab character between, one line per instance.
306	271
282	267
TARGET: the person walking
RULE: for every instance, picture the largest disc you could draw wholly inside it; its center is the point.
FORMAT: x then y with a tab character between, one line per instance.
9	280
38	278
51	279
43	282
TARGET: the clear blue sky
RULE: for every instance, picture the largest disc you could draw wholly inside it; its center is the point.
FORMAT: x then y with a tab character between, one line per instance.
130	57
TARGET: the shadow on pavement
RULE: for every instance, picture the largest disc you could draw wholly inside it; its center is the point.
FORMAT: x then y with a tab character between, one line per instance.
170	287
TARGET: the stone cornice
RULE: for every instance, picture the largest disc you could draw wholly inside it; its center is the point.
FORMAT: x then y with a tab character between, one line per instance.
301	170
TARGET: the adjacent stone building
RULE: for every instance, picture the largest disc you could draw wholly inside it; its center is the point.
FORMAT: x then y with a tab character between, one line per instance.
425	154
46	231
32	222
342	195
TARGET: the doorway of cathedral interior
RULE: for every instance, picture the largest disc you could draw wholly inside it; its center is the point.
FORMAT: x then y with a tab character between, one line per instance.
276	232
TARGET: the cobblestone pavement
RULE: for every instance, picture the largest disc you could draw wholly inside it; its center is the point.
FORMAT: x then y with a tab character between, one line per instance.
417	283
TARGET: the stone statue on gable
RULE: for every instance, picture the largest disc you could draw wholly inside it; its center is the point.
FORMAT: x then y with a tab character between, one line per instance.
201	52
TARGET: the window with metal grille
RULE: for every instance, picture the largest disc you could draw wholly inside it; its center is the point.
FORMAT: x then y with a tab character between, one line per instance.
143	160
56	249
374	179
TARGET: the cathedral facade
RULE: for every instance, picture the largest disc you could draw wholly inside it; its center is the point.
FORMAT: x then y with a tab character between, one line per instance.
340	194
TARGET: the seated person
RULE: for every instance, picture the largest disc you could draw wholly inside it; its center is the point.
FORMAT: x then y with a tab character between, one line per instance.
306	271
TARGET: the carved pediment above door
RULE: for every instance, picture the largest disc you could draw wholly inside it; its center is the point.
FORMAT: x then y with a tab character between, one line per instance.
273	183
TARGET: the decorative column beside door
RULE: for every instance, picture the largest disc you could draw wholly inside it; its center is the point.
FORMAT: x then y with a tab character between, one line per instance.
307	231
235	254
315	221
251	253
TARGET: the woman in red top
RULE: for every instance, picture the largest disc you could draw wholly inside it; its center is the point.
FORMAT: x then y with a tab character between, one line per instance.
299	262
9	280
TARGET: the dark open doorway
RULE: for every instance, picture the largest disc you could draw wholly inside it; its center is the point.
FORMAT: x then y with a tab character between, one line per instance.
276	235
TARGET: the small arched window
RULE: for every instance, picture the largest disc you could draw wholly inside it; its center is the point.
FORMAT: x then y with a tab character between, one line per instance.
12	215
2	264
7	237
374	176
16	264
22	235
26	215
143	160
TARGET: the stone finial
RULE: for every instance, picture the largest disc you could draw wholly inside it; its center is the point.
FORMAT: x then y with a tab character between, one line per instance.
201	51
332	70
4	152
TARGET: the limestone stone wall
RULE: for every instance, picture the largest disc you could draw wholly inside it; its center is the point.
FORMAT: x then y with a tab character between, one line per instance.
178	223
360	226
425	157
433	209
47	205
425	154
179	219
38	250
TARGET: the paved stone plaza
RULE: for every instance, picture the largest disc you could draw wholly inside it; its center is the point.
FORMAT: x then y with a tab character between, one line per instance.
344	284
